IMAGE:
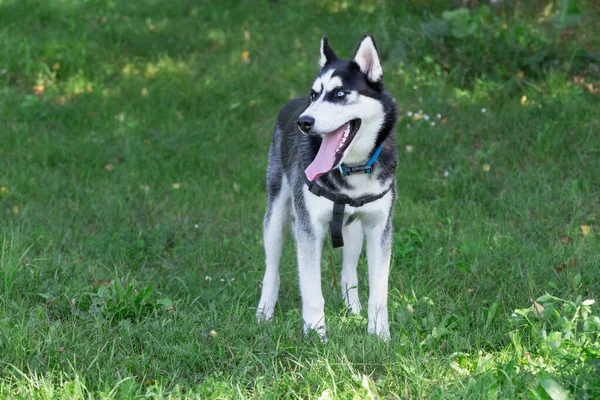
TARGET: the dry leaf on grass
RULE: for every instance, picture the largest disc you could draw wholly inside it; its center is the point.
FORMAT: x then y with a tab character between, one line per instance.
585	229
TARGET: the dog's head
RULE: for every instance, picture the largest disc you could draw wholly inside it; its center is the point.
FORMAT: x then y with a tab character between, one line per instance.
345	107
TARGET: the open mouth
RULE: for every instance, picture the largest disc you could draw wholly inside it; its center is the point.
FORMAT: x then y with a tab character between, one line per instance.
332	149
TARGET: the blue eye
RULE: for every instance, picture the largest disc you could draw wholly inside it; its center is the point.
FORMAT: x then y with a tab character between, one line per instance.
340	94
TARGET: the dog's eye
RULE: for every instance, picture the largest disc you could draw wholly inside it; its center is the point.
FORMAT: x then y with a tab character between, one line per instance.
313	95
340	94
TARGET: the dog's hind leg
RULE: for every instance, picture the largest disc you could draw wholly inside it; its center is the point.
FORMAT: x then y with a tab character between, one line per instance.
353	238
277	218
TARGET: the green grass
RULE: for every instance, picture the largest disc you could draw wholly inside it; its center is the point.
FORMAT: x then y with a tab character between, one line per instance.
133	149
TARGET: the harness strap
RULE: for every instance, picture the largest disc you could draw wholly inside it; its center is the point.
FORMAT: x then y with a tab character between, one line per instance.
339	205
367	168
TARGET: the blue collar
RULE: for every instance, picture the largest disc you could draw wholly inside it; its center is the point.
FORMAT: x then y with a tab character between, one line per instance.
362	168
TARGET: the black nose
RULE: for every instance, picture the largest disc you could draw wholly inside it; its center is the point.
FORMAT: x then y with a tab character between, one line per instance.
305	123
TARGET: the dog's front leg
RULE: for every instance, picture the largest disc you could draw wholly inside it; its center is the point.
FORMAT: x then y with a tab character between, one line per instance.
309	246
353	238
379	250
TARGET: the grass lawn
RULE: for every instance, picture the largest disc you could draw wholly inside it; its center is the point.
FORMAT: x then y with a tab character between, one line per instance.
133	150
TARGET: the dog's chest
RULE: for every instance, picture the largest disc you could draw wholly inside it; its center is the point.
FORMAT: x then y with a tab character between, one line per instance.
320	209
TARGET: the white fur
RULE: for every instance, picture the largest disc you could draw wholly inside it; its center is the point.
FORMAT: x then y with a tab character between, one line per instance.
353	242
334	83
368	60
322	58
273	236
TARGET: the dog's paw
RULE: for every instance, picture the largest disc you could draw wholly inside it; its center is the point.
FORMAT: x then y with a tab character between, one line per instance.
381	330
354	308
321	332
264	312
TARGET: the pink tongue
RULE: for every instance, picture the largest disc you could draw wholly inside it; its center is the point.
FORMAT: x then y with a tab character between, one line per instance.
325	158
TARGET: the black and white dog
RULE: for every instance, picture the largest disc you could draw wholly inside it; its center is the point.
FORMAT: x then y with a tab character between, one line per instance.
332	163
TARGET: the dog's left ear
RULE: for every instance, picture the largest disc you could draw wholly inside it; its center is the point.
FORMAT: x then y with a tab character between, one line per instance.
367	59
327	54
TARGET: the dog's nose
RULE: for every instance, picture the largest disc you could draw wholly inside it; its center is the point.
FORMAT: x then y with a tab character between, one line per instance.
305	123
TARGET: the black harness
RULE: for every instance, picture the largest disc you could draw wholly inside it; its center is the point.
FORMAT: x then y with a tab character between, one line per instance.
339	204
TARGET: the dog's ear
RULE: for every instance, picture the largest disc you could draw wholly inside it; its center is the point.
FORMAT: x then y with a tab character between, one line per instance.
367	59
327	54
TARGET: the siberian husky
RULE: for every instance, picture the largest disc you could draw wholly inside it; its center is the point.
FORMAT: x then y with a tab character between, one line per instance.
332	164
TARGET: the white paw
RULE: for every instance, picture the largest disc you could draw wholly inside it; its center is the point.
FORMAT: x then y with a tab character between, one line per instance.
321	331
380	329
264	312
354	307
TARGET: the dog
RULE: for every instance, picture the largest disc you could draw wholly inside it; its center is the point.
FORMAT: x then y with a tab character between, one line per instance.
333	162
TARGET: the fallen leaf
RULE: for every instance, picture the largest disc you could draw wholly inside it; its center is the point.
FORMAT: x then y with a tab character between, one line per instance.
417	117
38	90
591	88
176	186
100	282
559	268
585	229
56	67
521	74
537	308
213	333
109	167
565	239
573	262
523	100
150	382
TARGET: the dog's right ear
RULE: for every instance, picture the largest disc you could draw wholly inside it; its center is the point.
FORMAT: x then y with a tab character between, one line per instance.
327	54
